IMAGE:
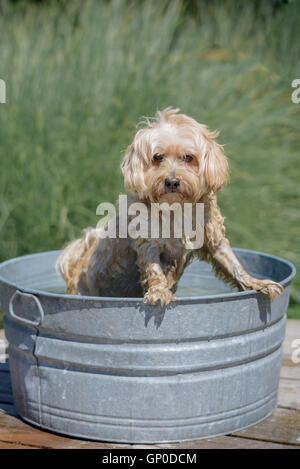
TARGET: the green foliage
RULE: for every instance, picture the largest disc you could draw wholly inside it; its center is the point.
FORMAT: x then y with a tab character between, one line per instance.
79	76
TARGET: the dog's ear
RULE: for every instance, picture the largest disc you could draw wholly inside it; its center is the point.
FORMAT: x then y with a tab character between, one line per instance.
133	168
215	165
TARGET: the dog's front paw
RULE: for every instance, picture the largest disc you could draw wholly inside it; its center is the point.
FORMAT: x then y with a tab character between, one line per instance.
268	287
153	295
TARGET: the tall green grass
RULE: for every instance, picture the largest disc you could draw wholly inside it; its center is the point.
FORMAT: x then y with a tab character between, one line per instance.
80	75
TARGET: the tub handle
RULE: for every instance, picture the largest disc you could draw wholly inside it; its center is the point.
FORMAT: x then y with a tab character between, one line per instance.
19	318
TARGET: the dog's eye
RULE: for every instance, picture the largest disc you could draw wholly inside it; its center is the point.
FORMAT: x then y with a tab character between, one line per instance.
187	158
158	157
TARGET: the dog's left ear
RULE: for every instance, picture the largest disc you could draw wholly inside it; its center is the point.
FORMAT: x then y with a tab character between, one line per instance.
215	165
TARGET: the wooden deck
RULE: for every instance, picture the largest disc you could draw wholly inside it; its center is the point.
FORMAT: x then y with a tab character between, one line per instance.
280	431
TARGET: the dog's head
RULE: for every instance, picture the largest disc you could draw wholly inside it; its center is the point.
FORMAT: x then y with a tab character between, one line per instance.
174	159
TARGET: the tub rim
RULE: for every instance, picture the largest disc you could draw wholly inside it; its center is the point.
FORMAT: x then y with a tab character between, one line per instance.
138	300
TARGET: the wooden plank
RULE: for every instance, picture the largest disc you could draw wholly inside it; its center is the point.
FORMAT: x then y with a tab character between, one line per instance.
289	369
283	426
289	394
226	442
292	333
4	445
289	386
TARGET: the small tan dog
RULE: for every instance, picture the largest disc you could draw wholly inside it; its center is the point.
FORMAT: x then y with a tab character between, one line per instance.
172	159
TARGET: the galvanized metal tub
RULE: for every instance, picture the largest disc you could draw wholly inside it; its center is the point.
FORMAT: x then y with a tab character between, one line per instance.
114	369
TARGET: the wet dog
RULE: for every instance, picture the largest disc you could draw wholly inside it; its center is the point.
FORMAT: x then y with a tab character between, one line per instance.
172	159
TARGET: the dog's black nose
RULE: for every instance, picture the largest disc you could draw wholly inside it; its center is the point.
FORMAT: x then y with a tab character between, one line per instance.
172	183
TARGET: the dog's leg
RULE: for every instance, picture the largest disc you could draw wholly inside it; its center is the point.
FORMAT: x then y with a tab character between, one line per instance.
227	266
153	278
218	252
